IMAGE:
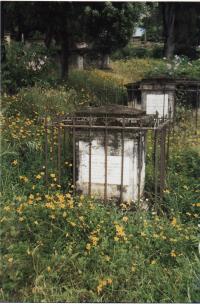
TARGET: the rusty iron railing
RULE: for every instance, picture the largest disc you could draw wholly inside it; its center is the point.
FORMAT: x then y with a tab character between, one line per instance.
58	128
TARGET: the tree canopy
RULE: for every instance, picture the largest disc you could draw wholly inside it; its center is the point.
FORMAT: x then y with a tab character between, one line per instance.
107	26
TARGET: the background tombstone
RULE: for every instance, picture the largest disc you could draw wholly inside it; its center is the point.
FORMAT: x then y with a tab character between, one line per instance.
158	95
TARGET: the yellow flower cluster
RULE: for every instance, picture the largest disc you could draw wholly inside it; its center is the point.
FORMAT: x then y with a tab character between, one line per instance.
120	233
23	178
103	283
93	238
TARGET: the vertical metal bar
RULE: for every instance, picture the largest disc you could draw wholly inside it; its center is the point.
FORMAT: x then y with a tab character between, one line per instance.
139	164
174	113
74	157
196	113
64	144
106	161
46	151
162	161
168	142
155	163
134	97
90	160
164	106
122	162
59	154
52	143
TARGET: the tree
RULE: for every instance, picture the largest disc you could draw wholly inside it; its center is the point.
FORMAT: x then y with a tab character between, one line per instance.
107	25
60	20
110	25
180	28
187	29
169	12
152	22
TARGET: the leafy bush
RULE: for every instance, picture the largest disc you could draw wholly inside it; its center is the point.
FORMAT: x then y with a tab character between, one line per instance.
24	66
179	67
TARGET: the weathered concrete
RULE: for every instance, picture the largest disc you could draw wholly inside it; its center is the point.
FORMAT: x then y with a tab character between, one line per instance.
158	97
114	156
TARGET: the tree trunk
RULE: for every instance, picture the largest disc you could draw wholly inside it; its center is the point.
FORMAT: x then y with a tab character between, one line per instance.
79	61
3	49
169	11
48	38
64	59
105	62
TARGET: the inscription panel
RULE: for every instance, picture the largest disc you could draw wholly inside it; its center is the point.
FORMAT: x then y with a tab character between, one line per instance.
98	169
157	102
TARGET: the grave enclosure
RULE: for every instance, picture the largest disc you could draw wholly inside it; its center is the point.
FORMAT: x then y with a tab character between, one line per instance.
164	95
109	145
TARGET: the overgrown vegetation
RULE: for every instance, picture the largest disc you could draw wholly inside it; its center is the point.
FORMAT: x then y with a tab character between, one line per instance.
61	248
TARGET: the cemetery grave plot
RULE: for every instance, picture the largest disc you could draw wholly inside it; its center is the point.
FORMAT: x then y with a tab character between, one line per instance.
108	151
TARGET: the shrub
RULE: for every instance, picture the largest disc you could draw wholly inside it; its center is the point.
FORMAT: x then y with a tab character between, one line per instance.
179	67
24	66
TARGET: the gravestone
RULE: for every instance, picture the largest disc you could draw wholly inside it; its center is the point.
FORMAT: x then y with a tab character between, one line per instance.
111	159
158	95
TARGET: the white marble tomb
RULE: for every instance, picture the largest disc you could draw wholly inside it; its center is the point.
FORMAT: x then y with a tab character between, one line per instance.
131	173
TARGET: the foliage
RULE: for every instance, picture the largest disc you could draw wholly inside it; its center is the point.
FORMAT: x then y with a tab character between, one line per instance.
136	69
179	67
152	22
40	100
100	87
111	24
180	28
24	66
132	50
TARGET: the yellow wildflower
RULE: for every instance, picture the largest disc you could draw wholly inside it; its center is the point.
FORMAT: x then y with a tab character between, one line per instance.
125	219
38	176
197	205
119	231
10	260
14	162
52	175
23	178
88	246
48	268
72	224
133	269
107	258
94	239
174	222
173	253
